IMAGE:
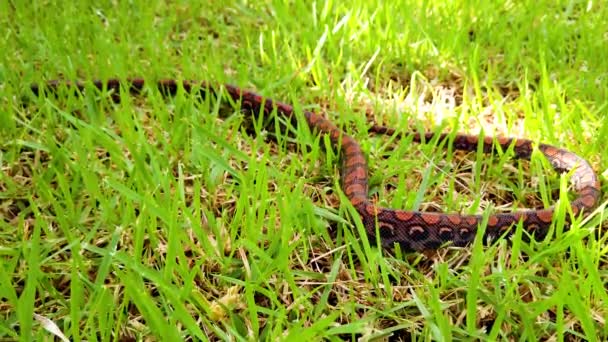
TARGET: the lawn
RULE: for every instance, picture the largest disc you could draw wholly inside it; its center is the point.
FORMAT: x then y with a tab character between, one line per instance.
187	219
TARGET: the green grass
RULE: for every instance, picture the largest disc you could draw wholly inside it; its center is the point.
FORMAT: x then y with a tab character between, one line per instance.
162	219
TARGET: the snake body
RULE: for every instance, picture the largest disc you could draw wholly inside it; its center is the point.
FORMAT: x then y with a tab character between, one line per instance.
413	230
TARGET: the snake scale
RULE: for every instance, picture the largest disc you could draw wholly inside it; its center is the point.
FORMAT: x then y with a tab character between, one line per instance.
413	230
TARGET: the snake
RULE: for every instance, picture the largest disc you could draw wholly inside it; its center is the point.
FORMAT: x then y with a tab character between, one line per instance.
412	230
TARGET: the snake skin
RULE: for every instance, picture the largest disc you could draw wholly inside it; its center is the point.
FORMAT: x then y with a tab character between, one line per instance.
413	230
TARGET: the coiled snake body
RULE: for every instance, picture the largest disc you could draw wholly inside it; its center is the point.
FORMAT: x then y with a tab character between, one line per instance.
413	230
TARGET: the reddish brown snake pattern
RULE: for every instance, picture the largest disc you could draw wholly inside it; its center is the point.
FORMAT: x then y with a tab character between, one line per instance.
414	230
